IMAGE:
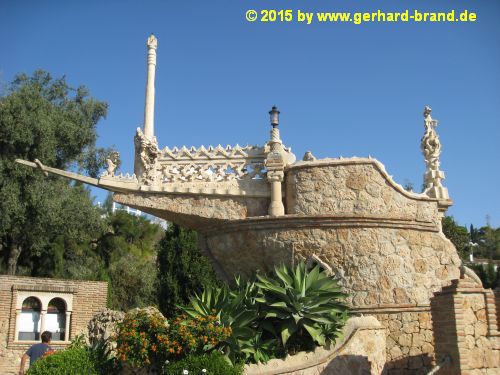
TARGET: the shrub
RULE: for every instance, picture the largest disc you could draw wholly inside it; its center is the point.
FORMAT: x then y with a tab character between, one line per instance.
75	360
137	338
182	269
213	363
103	359
146	339
193	335
271	316
236	309
301	304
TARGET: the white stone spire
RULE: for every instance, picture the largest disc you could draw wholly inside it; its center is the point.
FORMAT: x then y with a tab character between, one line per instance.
431	148
149	108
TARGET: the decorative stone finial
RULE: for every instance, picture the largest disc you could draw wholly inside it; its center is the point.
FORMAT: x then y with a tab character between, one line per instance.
427	112
152	42
308	156
431	148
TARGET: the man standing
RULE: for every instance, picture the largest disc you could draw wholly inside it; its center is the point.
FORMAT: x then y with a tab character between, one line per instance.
36	351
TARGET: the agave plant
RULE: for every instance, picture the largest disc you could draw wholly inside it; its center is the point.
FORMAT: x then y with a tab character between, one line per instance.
259	349
300	301
234	310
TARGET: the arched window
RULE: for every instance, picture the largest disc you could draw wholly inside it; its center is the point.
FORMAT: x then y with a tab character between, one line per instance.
29	320
55	320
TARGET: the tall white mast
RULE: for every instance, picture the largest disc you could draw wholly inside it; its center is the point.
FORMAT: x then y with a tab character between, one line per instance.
149	108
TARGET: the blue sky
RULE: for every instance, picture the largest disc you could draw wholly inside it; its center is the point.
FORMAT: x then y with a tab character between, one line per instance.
342	89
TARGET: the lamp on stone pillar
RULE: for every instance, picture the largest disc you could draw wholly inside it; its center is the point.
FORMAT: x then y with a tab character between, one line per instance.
275	164
274	115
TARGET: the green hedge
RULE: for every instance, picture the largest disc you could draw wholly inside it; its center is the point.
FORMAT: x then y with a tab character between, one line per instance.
214	363
72	361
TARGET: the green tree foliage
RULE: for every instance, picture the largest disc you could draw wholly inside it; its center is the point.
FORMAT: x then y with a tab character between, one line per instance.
458	235
44	118
182	269
127	251
49	225
488	242
489	277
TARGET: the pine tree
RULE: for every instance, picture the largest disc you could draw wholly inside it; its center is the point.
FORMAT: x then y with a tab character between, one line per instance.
182	269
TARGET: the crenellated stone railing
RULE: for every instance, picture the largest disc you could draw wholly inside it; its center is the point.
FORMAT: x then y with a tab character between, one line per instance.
211	164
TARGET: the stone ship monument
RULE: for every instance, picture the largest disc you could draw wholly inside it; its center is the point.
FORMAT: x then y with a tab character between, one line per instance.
256	206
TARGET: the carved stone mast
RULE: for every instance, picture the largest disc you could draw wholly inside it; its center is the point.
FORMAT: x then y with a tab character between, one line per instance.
431	148
275	164
146	145
149	107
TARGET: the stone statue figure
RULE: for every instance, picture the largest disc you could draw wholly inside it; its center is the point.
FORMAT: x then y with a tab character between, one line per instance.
430	144
431	148
146	157
112	162
308	156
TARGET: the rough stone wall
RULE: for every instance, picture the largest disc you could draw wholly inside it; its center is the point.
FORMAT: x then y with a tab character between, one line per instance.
375	265
194	211
89	297
381	268
410	339
482	352
465	329
353	187
361	351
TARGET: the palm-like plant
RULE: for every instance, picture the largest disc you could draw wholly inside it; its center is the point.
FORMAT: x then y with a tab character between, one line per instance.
234	310
294	306
300	301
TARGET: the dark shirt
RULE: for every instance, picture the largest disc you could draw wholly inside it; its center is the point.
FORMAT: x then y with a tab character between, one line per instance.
36	351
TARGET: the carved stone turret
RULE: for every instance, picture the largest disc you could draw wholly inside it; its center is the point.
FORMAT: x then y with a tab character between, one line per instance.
431	148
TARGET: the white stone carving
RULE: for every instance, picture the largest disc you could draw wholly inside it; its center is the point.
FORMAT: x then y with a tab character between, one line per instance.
431	148
211	163
146	157
112	162
308	156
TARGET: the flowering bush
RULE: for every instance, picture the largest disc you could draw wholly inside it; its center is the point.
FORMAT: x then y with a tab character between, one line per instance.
192	335
137	337
146	339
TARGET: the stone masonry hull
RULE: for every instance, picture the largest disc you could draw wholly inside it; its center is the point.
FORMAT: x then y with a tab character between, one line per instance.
375	265
388	272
